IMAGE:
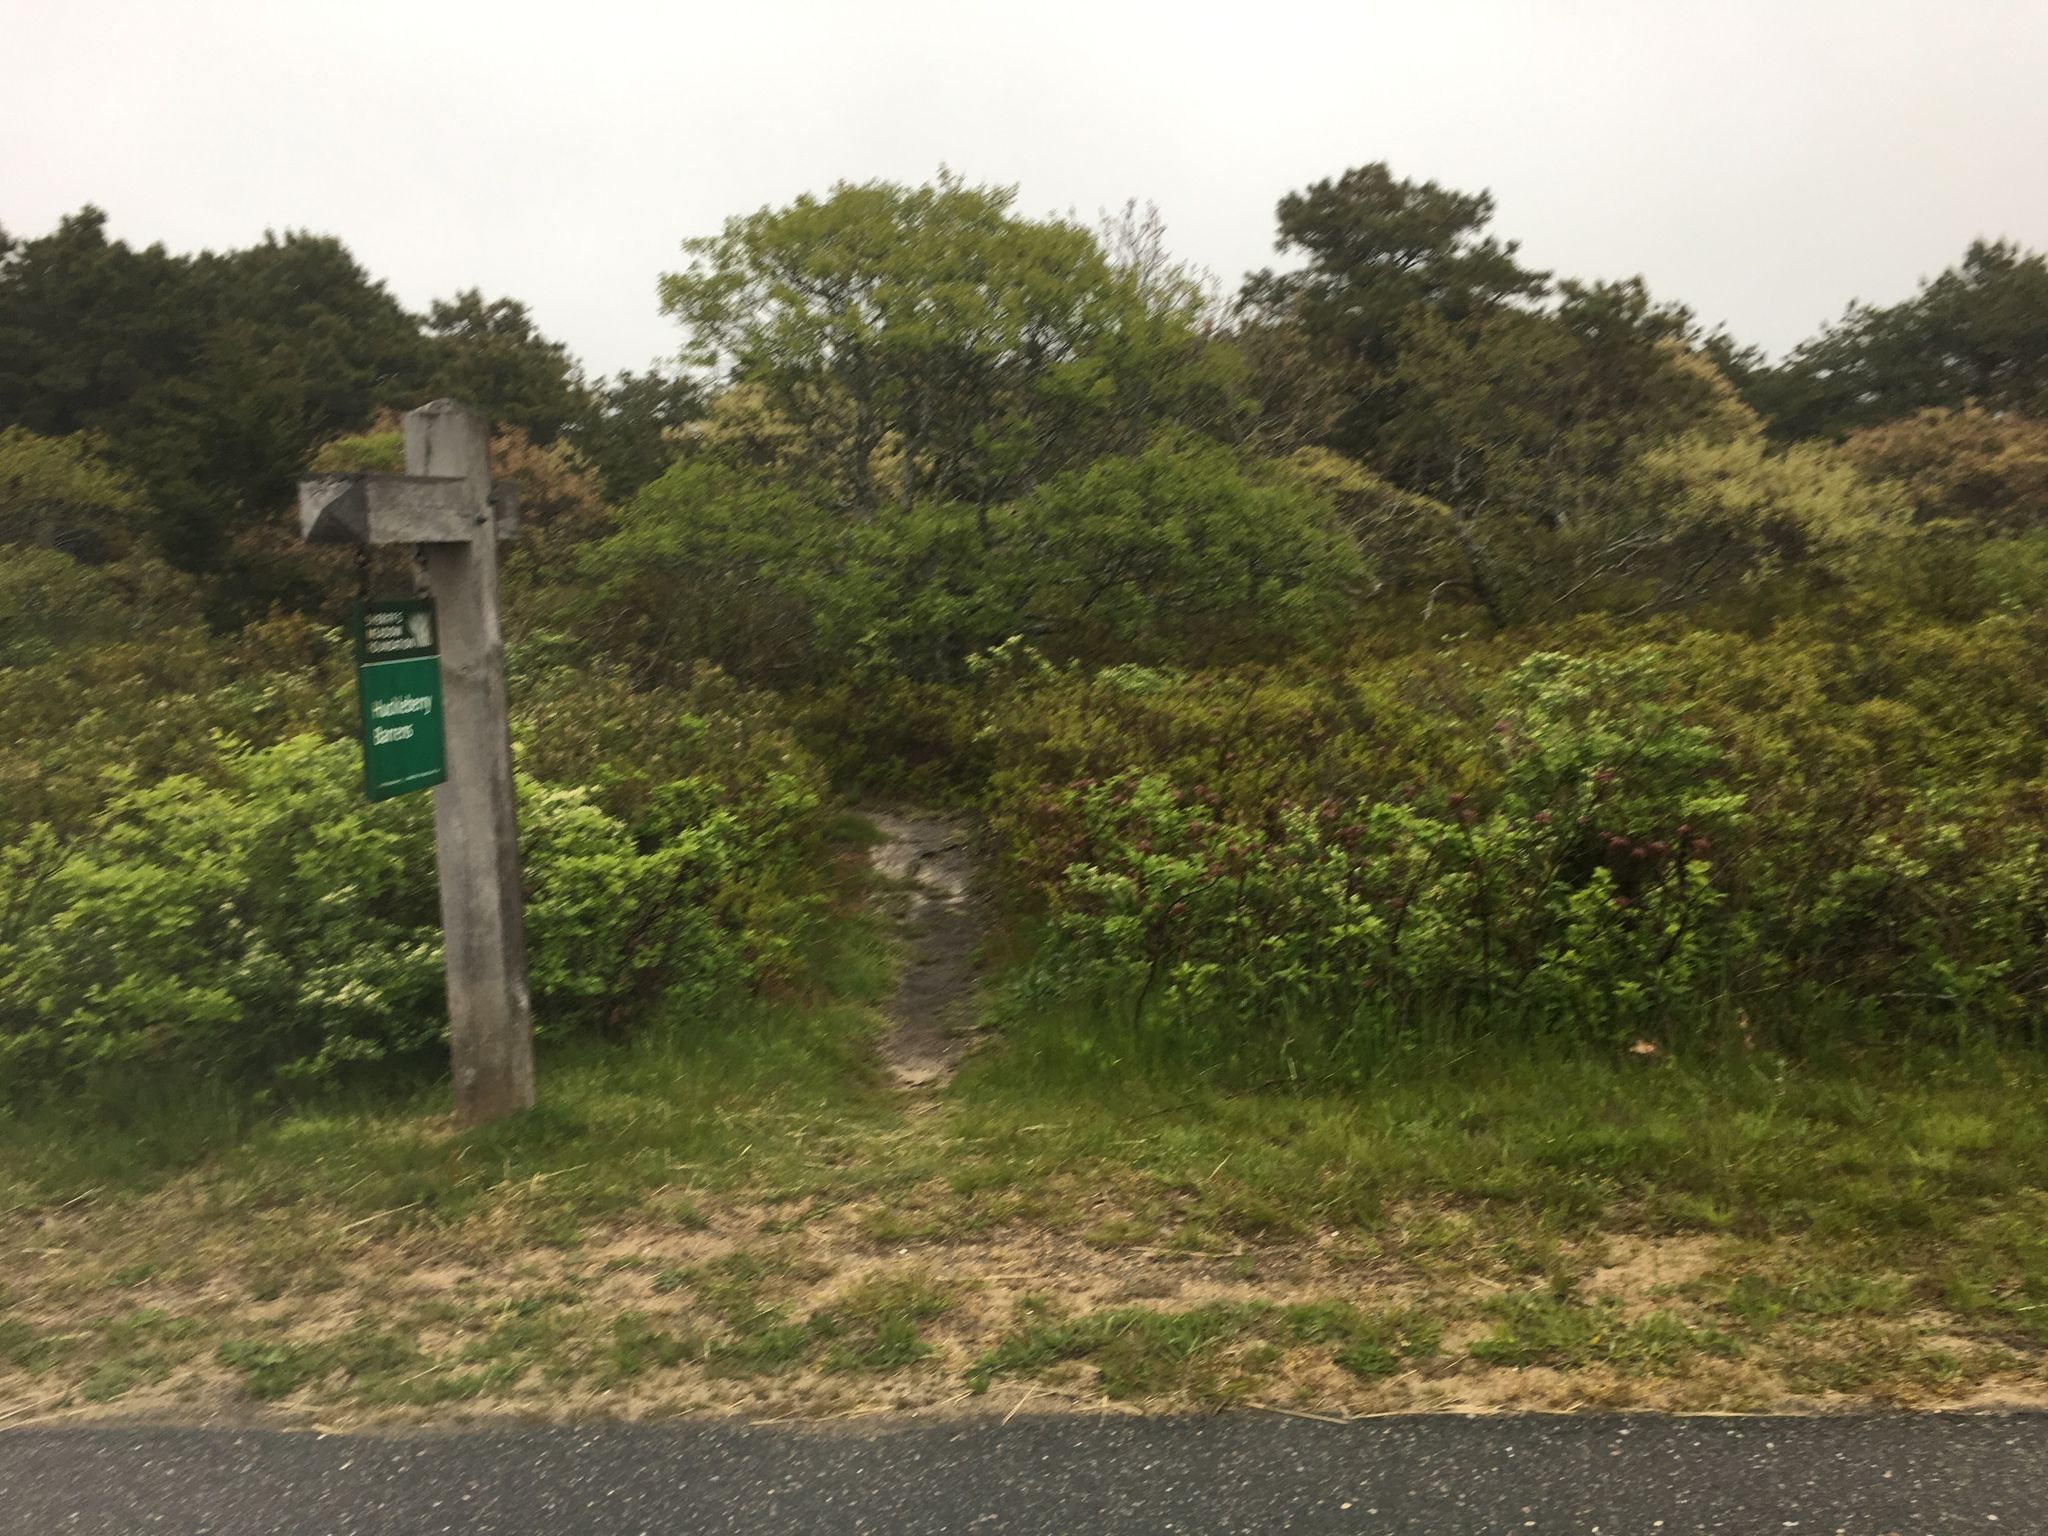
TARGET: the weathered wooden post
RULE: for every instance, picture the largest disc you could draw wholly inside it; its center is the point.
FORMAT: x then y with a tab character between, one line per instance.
446	505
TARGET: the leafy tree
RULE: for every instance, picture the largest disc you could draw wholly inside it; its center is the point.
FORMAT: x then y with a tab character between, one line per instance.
628	426
1484	421
710	561
1181	552
60	493
1512	435
1382	253
931	327
1987	470
1177	554
490	354
1978	333
1531	413
210	378
87	325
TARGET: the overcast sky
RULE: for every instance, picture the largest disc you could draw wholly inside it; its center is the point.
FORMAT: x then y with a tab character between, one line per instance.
1763	162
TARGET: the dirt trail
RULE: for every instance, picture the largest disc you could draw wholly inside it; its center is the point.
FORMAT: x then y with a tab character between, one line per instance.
929	859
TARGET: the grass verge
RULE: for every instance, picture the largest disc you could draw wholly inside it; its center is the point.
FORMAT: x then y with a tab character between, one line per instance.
731	1214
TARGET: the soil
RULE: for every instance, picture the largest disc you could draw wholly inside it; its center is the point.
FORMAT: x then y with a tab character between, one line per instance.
928	859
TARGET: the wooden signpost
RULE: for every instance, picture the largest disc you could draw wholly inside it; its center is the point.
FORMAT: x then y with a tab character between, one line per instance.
446	505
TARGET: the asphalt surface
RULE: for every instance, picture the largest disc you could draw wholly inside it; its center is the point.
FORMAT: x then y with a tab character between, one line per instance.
1249	1472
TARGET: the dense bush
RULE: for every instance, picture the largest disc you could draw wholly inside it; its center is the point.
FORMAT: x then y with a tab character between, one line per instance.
1837	824
1421	643
273	923
1179	552
84	724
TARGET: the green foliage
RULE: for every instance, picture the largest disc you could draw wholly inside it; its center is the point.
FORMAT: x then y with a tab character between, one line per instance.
1005	509
269	923
277	923
276	1368
80	726
1986	471
628	427
1713	515
928	342
1540	1329
710	563
875	1323
1530	453
1382	254
61	494
1370	1343
1200	1352
488	352
71	564
50	602
1579	900
1178	552
1622	842
379	451
1137	1351
211	379
1974	334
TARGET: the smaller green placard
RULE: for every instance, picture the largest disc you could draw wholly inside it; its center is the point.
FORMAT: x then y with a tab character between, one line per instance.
398	681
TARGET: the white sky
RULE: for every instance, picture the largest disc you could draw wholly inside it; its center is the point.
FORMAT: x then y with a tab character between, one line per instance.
1763	162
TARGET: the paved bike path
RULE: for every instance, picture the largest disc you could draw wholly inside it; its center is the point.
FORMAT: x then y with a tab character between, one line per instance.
1239	1473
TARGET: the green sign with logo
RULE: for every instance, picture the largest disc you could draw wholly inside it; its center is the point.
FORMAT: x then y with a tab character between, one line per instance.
398	680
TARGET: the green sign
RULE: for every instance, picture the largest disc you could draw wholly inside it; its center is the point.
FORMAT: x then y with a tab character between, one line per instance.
398	680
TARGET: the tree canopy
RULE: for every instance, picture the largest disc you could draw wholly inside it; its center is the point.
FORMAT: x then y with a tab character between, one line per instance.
928	340
911	422
1977	334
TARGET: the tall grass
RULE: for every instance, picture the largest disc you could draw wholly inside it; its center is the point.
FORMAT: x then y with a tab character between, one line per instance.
1721	1138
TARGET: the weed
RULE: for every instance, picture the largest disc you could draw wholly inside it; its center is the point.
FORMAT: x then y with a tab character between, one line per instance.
1538	1328
277	1368
636	1347
875	1324
1369	1344
1137	1352
30	1348
274	1368
114	1378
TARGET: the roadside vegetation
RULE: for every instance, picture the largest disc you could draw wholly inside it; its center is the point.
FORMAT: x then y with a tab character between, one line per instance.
1513	862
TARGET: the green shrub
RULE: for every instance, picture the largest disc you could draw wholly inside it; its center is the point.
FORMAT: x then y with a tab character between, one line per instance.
1836	825
83	726
1180	552
269	923
1580	897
